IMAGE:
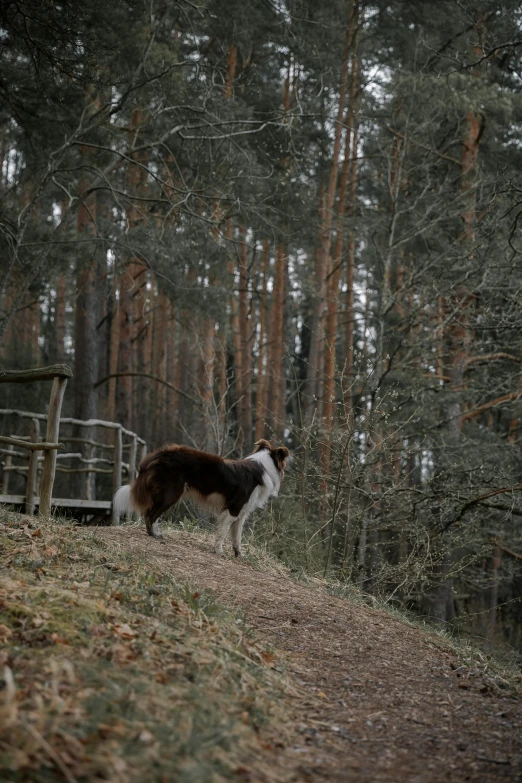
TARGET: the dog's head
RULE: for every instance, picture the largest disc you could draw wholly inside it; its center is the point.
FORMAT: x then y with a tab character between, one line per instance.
279	454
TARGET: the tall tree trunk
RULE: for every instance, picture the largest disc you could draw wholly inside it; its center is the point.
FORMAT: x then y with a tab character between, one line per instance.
60	316
86	317
244	346
315	358
186	368
348	174
222	390
276	363
355	103
124	388
209	426
172	397
159	366
129	289
496	561
86	314
142	328
235	333
230	72
114	347
262	370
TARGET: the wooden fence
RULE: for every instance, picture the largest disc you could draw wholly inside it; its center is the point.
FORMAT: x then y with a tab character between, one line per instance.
96	458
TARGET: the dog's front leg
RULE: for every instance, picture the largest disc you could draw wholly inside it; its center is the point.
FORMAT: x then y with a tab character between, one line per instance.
224	524
152	522
237	531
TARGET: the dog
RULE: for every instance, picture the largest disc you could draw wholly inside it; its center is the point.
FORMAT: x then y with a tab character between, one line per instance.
230	489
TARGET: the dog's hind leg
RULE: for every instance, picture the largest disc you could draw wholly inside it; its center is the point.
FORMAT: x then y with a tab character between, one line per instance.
224	523
161	504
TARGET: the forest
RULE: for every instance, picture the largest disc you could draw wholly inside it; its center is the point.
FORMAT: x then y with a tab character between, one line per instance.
294	220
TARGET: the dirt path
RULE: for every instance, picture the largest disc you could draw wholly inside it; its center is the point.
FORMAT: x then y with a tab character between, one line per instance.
387	702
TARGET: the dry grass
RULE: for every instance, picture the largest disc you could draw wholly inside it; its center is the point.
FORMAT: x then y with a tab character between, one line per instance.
114	671
124	664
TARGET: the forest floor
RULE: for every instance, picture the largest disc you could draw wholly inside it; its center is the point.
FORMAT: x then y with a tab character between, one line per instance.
358	694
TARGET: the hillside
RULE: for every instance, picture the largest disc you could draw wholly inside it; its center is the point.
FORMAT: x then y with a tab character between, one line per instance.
130	660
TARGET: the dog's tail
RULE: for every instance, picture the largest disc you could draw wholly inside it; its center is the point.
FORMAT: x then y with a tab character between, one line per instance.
133	498
123	503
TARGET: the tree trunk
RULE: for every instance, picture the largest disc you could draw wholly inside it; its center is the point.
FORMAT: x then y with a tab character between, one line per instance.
315	358
496	561
355	102
209	425
348	173
160	306
231	71
129	289
244	346
124	396
86	317
60	317
261	411
142	328
172	397
276	364
114	349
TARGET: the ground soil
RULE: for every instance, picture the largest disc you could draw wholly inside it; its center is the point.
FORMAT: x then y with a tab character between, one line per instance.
376	699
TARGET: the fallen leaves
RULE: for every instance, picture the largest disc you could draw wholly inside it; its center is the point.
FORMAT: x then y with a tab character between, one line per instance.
122	653
107	730
137	664
5	633
124	631
57	639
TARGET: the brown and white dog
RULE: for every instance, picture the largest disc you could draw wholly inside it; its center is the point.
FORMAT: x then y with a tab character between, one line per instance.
231	489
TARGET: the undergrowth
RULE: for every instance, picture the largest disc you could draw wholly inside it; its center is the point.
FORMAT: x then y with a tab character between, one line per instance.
502	668
114	671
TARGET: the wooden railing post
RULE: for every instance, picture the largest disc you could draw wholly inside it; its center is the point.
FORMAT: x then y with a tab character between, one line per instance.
7	464
53	428
118	458
32	472
90	476
132	458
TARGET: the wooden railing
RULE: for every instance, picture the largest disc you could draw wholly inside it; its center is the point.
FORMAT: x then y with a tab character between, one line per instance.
58	373
96	458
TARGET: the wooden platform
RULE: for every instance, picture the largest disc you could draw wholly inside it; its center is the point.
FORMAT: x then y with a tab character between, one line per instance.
84	505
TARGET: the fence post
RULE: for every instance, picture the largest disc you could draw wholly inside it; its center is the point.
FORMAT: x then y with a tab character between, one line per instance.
132	459
90	478
7	464
118	452
53	429
32	471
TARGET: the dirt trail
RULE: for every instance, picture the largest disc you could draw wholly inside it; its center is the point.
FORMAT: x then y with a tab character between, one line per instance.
387	701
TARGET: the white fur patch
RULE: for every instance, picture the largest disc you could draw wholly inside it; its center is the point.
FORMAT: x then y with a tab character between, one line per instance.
122	503
271	478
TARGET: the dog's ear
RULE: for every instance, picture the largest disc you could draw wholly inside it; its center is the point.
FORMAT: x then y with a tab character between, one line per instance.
281	454
261	444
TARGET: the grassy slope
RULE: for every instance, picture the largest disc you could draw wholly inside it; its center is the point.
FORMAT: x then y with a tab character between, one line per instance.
113	671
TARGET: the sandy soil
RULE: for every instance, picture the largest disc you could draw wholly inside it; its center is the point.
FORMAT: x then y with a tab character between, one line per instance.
378	700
